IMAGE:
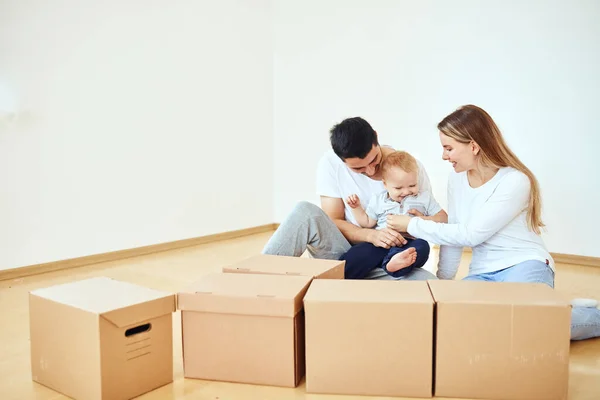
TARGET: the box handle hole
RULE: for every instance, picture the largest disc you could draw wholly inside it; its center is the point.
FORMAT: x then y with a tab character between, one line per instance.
138	329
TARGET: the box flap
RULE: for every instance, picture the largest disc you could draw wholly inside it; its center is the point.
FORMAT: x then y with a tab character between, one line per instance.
368	291
510	293
139	312
104	295
253	294
284	265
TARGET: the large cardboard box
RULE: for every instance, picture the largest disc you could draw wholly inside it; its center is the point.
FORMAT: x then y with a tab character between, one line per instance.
101	339
367	337
501	340
285	265
245	328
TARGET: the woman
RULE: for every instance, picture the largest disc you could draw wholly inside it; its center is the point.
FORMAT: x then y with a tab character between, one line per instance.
494	207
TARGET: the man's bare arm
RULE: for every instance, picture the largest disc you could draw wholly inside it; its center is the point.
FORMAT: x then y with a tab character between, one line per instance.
334	208
386	238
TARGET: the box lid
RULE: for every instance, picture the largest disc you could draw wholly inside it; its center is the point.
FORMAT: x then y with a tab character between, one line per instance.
368	291
271	295
121	303
509	293
285	265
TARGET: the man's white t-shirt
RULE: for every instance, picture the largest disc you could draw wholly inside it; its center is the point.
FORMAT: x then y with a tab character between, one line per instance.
335	179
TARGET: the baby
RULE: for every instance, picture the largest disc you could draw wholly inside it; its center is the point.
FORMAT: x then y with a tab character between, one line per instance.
400	173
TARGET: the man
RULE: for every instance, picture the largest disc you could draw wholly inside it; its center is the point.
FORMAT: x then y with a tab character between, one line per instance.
352	166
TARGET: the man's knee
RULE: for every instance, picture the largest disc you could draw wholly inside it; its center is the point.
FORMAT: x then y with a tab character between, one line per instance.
307	208
303	212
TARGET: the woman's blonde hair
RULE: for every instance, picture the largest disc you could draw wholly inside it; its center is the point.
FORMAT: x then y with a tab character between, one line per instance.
471	123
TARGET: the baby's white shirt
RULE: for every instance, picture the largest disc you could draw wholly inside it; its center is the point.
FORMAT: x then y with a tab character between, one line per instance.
380	206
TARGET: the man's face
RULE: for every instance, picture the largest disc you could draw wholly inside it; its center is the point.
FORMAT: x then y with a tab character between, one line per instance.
369	165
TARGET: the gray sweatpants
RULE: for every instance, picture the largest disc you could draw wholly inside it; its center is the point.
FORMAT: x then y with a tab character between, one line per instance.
307	227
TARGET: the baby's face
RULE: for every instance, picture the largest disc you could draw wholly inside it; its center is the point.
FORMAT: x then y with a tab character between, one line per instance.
400	184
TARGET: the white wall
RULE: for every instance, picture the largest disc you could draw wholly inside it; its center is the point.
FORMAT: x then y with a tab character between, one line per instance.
404	65
142	122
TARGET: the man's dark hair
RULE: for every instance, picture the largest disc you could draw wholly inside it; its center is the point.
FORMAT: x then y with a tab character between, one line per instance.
353	137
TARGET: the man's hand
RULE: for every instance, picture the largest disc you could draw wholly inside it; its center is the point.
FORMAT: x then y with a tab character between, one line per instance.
353	201
398	223
386	238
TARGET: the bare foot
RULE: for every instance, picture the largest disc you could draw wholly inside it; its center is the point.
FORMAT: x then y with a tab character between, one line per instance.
402	260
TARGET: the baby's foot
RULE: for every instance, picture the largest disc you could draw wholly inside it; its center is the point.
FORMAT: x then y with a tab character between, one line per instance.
403	259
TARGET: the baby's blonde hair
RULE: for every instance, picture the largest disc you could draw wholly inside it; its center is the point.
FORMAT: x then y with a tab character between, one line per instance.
400	159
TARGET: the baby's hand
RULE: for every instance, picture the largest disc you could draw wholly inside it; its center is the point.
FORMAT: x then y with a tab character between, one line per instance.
415	213
353	201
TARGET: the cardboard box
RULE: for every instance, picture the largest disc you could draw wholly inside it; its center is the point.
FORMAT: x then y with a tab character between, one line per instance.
284	265
369	337
245	328
101	339
501	340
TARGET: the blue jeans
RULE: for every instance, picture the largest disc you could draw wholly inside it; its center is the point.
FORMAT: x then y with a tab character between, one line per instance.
585	322
363	257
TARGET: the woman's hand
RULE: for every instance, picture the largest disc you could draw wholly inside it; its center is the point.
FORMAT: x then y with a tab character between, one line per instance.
398	223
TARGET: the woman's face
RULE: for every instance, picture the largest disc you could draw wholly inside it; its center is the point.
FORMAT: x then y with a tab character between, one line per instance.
462	156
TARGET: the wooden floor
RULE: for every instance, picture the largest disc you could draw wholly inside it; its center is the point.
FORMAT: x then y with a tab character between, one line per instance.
174	269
